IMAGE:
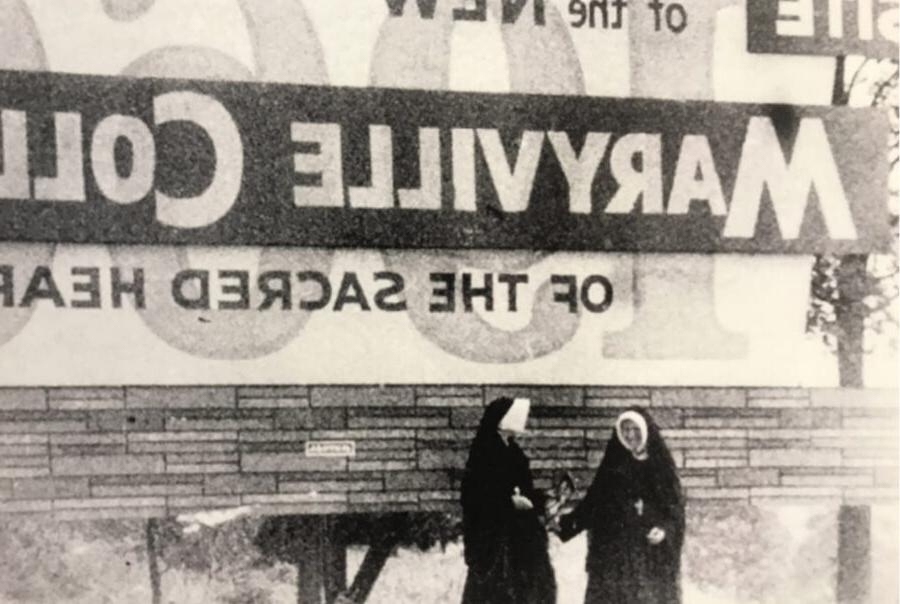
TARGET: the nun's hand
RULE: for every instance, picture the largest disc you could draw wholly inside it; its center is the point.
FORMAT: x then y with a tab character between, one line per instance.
520	502
656	535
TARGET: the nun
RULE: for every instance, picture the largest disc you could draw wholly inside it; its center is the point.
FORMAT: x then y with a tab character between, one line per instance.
504	539
634	515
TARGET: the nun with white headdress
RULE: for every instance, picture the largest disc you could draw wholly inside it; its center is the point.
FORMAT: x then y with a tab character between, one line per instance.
505	541
634	515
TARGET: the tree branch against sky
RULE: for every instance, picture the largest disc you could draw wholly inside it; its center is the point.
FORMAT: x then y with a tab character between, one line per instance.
856	310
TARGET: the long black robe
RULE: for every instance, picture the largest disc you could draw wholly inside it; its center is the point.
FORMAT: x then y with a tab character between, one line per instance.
505	548
622	565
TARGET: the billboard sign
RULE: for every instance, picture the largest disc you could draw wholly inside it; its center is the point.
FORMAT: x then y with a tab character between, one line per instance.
824	27
92	159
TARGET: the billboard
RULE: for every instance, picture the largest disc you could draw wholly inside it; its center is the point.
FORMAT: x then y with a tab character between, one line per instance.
123	160
824	27
200	266
88	314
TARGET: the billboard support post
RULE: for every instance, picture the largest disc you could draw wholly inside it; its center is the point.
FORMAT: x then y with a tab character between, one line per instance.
854	575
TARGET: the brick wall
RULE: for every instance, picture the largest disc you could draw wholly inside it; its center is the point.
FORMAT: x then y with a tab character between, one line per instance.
139	451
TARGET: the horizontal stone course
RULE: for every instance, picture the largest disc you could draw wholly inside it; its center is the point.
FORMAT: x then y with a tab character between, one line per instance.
818	493
397	422
203	501
381	465
437	459
722	462
777	393
107	464
12	450
465	417
871	494
183	447
50	487
360	434
541	396
26	505
90	403
144	490
295	498
229	484
718	493
449	401
193	424
364	396
181	397
289	462
110	513
449	390
132	420
208	457
744	477
731	422
186	435
402	481
23	399
795	457
24	439
202	468
170	451
109	502
409	497
20	427
849	398
24	461
704	480
827	479
621	392
259	392
339	486
273	403
698	397
617	402
86	393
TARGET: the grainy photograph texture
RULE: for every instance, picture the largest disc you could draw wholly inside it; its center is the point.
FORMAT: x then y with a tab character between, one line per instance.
448	301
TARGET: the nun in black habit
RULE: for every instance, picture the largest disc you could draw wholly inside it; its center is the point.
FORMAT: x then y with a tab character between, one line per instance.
634	515
504	538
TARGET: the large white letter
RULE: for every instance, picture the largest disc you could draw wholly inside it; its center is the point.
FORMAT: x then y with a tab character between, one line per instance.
580	169
836	18
103	158
326	162
645	183
865	19
428	195
463	148
762	164
68	184
795	18
381	159
889	21
14	177
695	157
514	184
220	195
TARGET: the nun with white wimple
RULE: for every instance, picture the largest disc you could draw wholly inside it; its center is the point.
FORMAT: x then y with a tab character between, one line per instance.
504	539
634	515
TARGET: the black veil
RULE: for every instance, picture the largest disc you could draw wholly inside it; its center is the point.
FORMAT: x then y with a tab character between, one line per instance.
486	437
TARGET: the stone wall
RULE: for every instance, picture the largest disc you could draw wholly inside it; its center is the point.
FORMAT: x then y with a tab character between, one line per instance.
153	451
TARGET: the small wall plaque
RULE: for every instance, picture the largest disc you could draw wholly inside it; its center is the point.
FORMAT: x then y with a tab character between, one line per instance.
330	448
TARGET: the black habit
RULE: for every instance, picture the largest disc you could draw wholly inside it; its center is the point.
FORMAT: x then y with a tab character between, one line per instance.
505	548
627	498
